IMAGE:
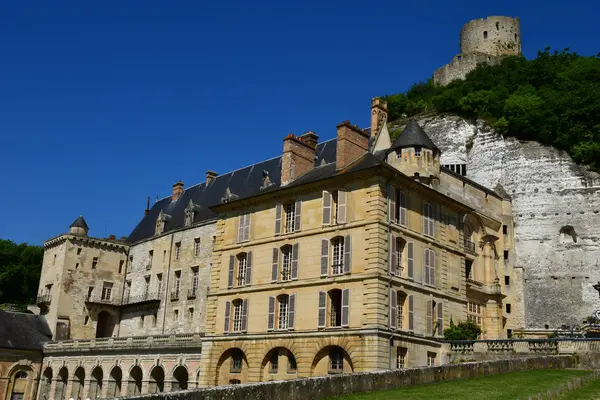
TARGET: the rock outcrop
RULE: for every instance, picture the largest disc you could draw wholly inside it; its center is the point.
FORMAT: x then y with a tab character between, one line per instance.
556	206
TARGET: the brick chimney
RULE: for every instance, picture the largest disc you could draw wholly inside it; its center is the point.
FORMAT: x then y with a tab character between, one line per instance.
298	156
379	114
210	176
177	190
351	144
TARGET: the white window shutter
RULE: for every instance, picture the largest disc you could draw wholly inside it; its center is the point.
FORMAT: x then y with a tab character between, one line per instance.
426	266
402	201
275	265
341	212
249	268
392	203
345	307
393	314
326	208
324	256
432	267
295	260
241	220
227	316
292	312
429	320
231	272
271	315
440	318
247	228
347	254
278	212
411	313
322	309
245	315
298	217
410	260
394	255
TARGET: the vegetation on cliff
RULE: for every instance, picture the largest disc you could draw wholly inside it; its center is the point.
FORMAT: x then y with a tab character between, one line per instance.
20	268
553	99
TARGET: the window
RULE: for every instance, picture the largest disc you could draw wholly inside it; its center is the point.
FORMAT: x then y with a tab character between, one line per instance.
401	304
154	320
78	251
121	262
485	34
505	229
400	310
159	283
334	308
21	375
497	26
177	250
76	265
337	262
469	269
237	315
334	207
146	285
150	258
459	58
94	262
417	152
244	227
397	206
274	362
506	254
177	283
175	315
234	382
429	267
237	358
290	215
401	357
506	280
242	264
189	215
90	292
508	308
195	280
197	247
286	263
474	313
54	259
460	169
428	219
190	314
435	318
336	360
292	367
87	319
106	290
431	359
127	291
397	250
282	313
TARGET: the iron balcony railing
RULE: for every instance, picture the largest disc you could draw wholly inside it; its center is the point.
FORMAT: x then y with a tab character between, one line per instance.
111	301
192	293
141	298
175	295
44	299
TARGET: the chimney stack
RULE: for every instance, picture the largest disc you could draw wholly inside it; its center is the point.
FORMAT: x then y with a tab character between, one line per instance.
210	176
177	190
379	114
351	144
298	156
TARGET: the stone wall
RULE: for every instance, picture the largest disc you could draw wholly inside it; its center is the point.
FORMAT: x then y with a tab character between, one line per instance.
461	65
498	36
550	194
335	385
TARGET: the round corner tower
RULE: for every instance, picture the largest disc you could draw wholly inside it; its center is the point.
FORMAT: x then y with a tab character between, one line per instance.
494	36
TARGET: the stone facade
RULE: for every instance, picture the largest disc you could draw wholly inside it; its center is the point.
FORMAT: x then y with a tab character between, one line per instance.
19	373
484	40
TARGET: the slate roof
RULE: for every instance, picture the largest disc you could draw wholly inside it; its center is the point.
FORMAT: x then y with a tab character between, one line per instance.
21	331
80	223
413	135
244	182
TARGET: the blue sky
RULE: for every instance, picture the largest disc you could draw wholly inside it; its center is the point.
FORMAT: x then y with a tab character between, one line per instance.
105	103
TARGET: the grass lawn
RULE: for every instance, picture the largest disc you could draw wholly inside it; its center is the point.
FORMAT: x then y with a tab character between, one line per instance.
498	387
590	391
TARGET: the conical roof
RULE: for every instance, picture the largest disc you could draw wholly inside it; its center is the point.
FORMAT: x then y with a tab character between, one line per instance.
413	136
80	223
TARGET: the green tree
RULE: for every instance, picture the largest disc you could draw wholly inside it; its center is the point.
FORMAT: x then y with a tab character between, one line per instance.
466	330
20	268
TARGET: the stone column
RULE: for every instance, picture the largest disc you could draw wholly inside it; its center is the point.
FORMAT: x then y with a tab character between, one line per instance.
86	388
145	386
168	385
494	319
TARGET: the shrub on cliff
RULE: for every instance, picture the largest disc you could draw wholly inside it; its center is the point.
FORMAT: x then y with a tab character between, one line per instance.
552	99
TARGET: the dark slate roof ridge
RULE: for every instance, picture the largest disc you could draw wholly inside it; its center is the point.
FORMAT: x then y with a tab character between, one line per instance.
413	135
23	331
79	223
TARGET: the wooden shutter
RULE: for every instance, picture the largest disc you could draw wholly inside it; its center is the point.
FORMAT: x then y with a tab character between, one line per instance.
247	228
392	203
295	260
341	209
278	212
292	312
425	224
271	318
322	309
326	208
411	312
426	267
324	256
231	272
402	201
298	217
440	318
345	307
249	268
227	316
347	254
429	320
275	265
245	316
410	260
241	228
393	314
394	255
432	217
432	267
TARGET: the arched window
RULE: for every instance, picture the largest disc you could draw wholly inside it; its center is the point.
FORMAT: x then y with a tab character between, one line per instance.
242	265
134	387
237	359
240	270
180	379
497	26
236	316
337	255
20	385
105	325
60	393
95	383
77	384
114	382
157	380
485	35
21	375
281	312
336	360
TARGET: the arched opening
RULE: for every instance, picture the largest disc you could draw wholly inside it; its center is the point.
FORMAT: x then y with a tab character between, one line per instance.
105	325
134	386
331	360
45	385
60	392
20	385
157	380
180	379
232	365
198	379
279	363
114	382
77	384
485	35
95	383
568	234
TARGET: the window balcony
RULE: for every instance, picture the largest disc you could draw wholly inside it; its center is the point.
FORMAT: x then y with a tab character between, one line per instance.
470	246
110	301
175	296
43	299
141	298
192	293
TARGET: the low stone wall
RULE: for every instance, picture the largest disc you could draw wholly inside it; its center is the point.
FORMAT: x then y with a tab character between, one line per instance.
336	385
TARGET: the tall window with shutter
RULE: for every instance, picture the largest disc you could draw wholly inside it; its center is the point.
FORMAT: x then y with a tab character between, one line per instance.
411	312
334	308
397	309
240	270
284	266
435	318
397	245
410	260
341	255
335	207
429	268
428	219
244	227
397	206
281	312
286	263
236	316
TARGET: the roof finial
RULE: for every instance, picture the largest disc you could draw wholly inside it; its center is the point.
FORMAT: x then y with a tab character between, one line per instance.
147	210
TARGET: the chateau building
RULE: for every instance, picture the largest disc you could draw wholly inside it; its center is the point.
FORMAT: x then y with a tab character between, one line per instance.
351	254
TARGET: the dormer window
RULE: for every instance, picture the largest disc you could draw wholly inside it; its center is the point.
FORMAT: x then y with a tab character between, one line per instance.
417	152
190	213
160	222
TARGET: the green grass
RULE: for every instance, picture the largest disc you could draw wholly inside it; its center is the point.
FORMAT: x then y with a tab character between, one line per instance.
590	391
498	387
